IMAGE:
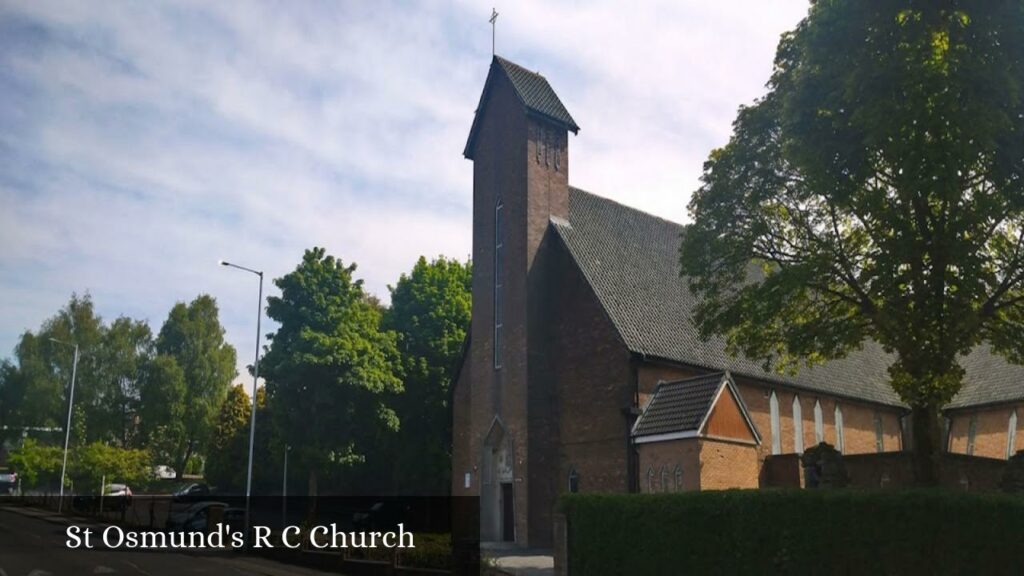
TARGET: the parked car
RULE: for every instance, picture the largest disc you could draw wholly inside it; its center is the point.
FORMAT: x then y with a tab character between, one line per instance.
191	492
193	517
8	482
164	472
116	497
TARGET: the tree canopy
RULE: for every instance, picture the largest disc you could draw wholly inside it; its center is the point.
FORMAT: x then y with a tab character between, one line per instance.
875	192
194	337
430	311
331	373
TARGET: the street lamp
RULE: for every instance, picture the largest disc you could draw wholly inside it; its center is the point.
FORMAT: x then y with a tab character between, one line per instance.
67	428
255	376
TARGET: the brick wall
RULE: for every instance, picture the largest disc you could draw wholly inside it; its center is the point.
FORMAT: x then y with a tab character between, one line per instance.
595	384
728	465
658	456
858	420
991	430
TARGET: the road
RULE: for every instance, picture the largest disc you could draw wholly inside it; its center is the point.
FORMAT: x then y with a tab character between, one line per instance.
33	543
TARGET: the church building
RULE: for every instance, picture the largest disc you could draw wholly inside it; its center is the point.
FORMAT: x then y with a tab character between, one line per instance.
584	371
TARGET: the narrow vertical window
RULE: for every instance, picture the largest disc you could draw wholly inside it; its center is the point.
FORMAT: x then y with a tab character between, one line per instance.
773	406
947	425
574	481
499	300
840	445
1011	435
819	423
664	478
972	431
879	434
558	153
650	480
798	426
540	142
679	478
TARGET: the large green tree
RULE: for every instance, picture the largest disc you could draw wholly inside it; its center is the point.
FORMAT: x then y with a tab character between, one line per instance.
194	337
229	448
430	311
119	361
878	190
331	372
162	406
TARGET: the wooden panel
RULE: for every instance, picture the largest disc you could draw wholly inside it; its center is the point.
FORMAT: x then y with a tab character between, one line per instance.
726	420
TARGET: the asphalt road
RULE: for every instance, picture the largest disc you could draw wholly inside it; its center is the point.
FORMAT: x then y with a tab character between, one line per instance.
35	545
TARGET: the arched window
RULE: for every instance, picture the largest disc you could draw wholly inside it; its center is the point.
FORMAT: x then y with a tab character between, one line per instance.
840	445
499	296
879	434
773	406
679	478
650	480
664	478
1011	435
819	423
574	481
972	432
798	426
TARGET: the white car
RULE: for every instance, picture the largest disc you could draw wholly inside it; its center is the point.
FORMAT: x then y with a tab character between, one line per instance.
163	472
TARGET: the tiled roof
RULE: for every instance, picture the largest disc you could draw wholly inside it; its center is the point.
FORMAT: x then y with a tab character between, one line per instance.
989	380
533	91
536	94
631	259
679	406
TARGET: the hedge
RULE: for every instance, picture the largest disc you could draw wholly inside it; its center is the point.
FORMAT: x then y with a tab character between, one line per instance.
795	532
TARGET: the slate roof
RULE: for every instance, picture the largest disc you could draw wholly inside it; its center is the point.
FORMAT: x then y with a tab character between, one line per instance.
630	258
533	91
679	406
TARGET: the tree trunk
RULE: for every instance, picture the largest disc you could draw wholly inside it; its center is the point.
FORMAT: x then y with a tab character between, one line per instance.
926	444
311	511
183	462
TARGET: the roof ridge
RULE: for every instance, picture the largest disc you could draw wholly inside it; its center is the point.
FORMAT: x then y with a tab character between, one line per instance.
625	206
504	60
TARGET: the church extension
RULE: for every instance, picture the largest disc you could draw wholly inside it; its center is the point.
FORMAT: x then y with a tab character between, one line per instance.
584	371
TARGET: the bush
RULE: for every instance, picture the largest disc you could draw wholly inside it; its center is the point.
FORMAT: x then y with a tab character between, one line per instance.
795	532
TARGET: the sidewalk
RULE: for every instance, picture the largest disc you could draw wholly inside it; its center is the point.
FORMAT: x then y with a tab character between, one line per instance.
518	561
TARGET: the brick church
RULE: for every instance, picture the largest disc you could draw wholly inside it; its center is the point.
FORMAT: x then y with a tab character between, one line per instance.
584	372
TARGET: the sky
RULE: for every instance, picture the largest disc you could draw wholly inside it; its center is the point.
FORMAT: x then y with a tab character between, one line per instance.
142	142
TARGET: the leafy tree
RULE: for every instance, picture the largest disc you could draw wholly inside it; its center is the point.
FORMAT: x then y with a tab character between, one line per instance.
11	393
430	311
878	190
162	397
331	372
93	463
119	362
194	337
36	464
229	449
44	366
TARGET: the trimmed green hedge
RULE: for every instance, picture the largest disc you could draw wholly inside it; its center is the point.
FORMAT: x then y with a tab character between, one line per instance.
795	532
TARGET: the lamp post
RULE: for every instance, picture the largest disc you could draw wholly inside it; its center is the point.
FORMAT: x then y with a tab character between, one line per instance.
255	376
67	428
284	489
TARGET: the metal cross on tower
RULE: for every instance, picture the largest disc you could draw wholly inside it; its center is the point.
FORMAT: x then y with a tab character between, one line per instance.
493	20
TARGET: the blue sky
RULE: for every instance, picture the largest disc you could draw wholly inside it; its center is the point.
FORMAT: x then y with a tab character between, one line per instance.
141	142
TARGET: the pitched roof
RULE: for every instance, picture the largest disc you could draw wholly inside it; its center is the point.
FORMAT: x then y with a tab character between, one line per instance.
534	93
631	259
679	406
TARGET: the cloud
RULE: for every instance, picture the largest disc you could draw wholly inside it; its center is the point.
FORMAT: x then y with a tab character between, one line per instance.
141	142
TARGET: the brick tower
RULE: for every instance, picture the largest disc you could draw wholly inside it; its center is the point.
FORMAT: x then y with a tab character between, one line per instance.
519	147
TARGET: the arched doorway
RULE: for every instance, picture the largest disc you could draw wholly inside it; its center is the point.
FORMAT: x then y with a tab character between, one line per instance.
497	491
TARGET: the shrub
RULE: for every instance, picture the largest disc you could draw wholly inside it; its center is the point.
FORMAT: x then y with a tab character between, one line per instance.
795	532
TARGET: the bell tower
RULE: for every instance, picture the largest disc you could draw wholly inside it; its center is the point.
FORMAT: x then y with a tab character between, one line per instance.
519	147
